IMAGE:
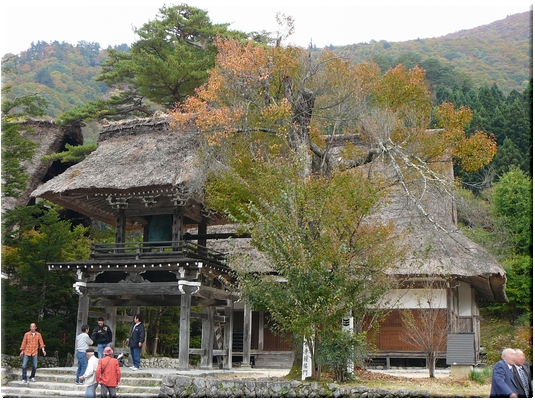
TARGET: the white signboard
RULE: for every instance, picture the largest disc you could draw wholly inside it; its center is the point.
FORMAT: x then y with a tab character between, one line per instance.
306	368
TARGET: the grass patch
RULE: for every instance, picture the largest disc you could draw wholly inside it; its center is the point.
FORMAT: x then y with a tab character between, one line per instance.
448	386
481	376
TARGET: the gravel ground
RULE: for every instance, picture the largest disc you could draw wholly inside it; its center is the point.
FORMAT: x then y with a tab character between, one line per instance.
413	373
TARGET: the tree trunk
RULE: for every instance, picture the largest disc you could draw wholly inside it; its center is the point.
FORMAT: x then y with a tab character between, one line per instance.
41	314
156	333
299	137
431	360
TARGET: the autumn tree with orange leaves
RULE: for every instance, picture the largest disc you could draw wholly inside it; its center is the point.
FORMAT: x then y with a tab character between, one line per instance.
269	118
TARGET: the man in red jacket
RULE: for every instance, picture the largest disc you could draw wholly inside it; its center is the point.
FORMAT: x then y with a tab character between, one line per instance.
29	348
108	374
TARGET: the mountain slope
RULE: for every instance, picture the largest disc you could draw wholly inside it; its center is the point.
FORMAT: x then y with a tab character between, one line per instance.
500	52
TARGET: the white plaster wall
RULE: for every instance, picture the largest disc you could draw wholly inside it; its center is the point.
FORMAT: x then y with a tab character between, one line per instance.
465	299
414	298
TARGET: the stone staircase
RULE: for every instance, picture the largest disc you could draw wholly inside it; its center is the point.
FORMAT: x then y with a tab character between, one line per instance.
274	359
59	382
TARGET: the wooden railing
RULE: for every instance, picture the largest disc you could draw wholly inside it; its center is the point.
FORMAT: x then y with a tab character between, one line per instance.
155	250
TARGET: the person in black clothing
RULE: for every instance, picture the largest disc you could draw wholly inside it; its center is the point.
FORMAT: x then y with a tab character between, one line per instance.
135	342
522	375
103	336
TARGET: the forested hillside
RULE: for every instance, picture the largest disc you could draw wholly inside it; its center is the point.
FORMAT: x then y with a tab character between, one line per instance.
500	52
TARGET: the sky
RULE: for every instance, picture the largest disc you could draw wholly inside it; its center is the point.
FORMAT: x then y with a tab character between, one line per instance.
322	23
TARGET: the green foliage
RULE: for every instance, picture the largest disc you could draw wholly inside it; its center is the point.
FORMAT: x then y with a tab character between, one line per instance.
509	119
512	199
518	337
519	290
33	293
481	376
327	261
171	57
337	350
15	150
22	107
72	154
60	73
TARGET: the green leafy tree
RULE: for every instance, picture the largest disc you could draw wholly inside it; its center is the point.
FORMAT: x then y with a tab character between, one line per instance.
512	199
171	57
341	349
268	116
72	154
32	292
512	206
15	148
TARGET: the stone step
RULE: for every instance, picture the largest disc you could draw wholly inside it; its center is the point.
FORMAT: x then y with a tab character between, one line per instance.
126	379
16	392
52	389
274	360
59	382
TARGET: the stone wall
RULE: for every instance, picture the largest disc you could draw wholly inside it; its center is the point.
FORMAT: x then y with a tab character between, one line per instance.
158	362
209	386
16	362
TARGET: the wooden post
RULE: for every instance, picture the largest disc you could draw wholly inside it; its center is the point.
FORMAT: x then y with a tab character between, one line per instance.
183	347
247	319
207	340
202	230
82	315
120	228
261	331
177	225
227	339
111	321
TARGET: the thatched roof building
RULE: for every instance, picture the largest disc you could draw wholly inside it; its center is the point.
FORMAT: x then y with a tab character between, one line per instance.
50	138
428	230
142	161
145	161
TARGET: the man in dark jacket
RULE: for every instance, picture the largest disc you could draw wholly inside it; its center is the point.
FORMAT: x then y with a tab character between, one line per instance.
135	342
522	375
503	382
103	336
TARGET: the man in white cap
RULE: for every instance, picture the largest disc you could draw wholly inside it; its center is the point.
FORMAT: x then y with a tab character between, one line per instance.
89	375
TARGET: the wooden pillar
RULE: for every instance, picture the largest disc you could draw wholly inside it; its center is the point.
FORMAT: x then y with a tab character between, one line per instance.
247	319
202	230
120	228
177	225
111	321
146	231
261	331
185	313
82	314
227	339
207	340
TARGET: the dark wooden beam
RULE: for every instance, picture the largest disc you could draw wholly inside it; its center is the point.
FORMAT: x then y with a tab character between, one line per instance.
200	236
220	318
154	301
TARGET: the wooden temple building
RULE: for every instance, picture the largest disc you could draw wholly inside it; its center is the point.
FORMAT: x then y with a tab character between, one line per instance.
145	175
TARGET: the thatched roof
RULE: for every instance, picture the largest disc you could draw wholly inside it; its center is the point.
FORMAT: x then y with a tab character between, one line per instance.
146	162
429	232
141	161
242	254
50	139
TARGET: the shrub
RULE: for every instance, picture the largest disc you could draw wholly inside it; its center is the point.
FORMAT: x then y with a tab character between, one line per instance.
340	349
520	337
